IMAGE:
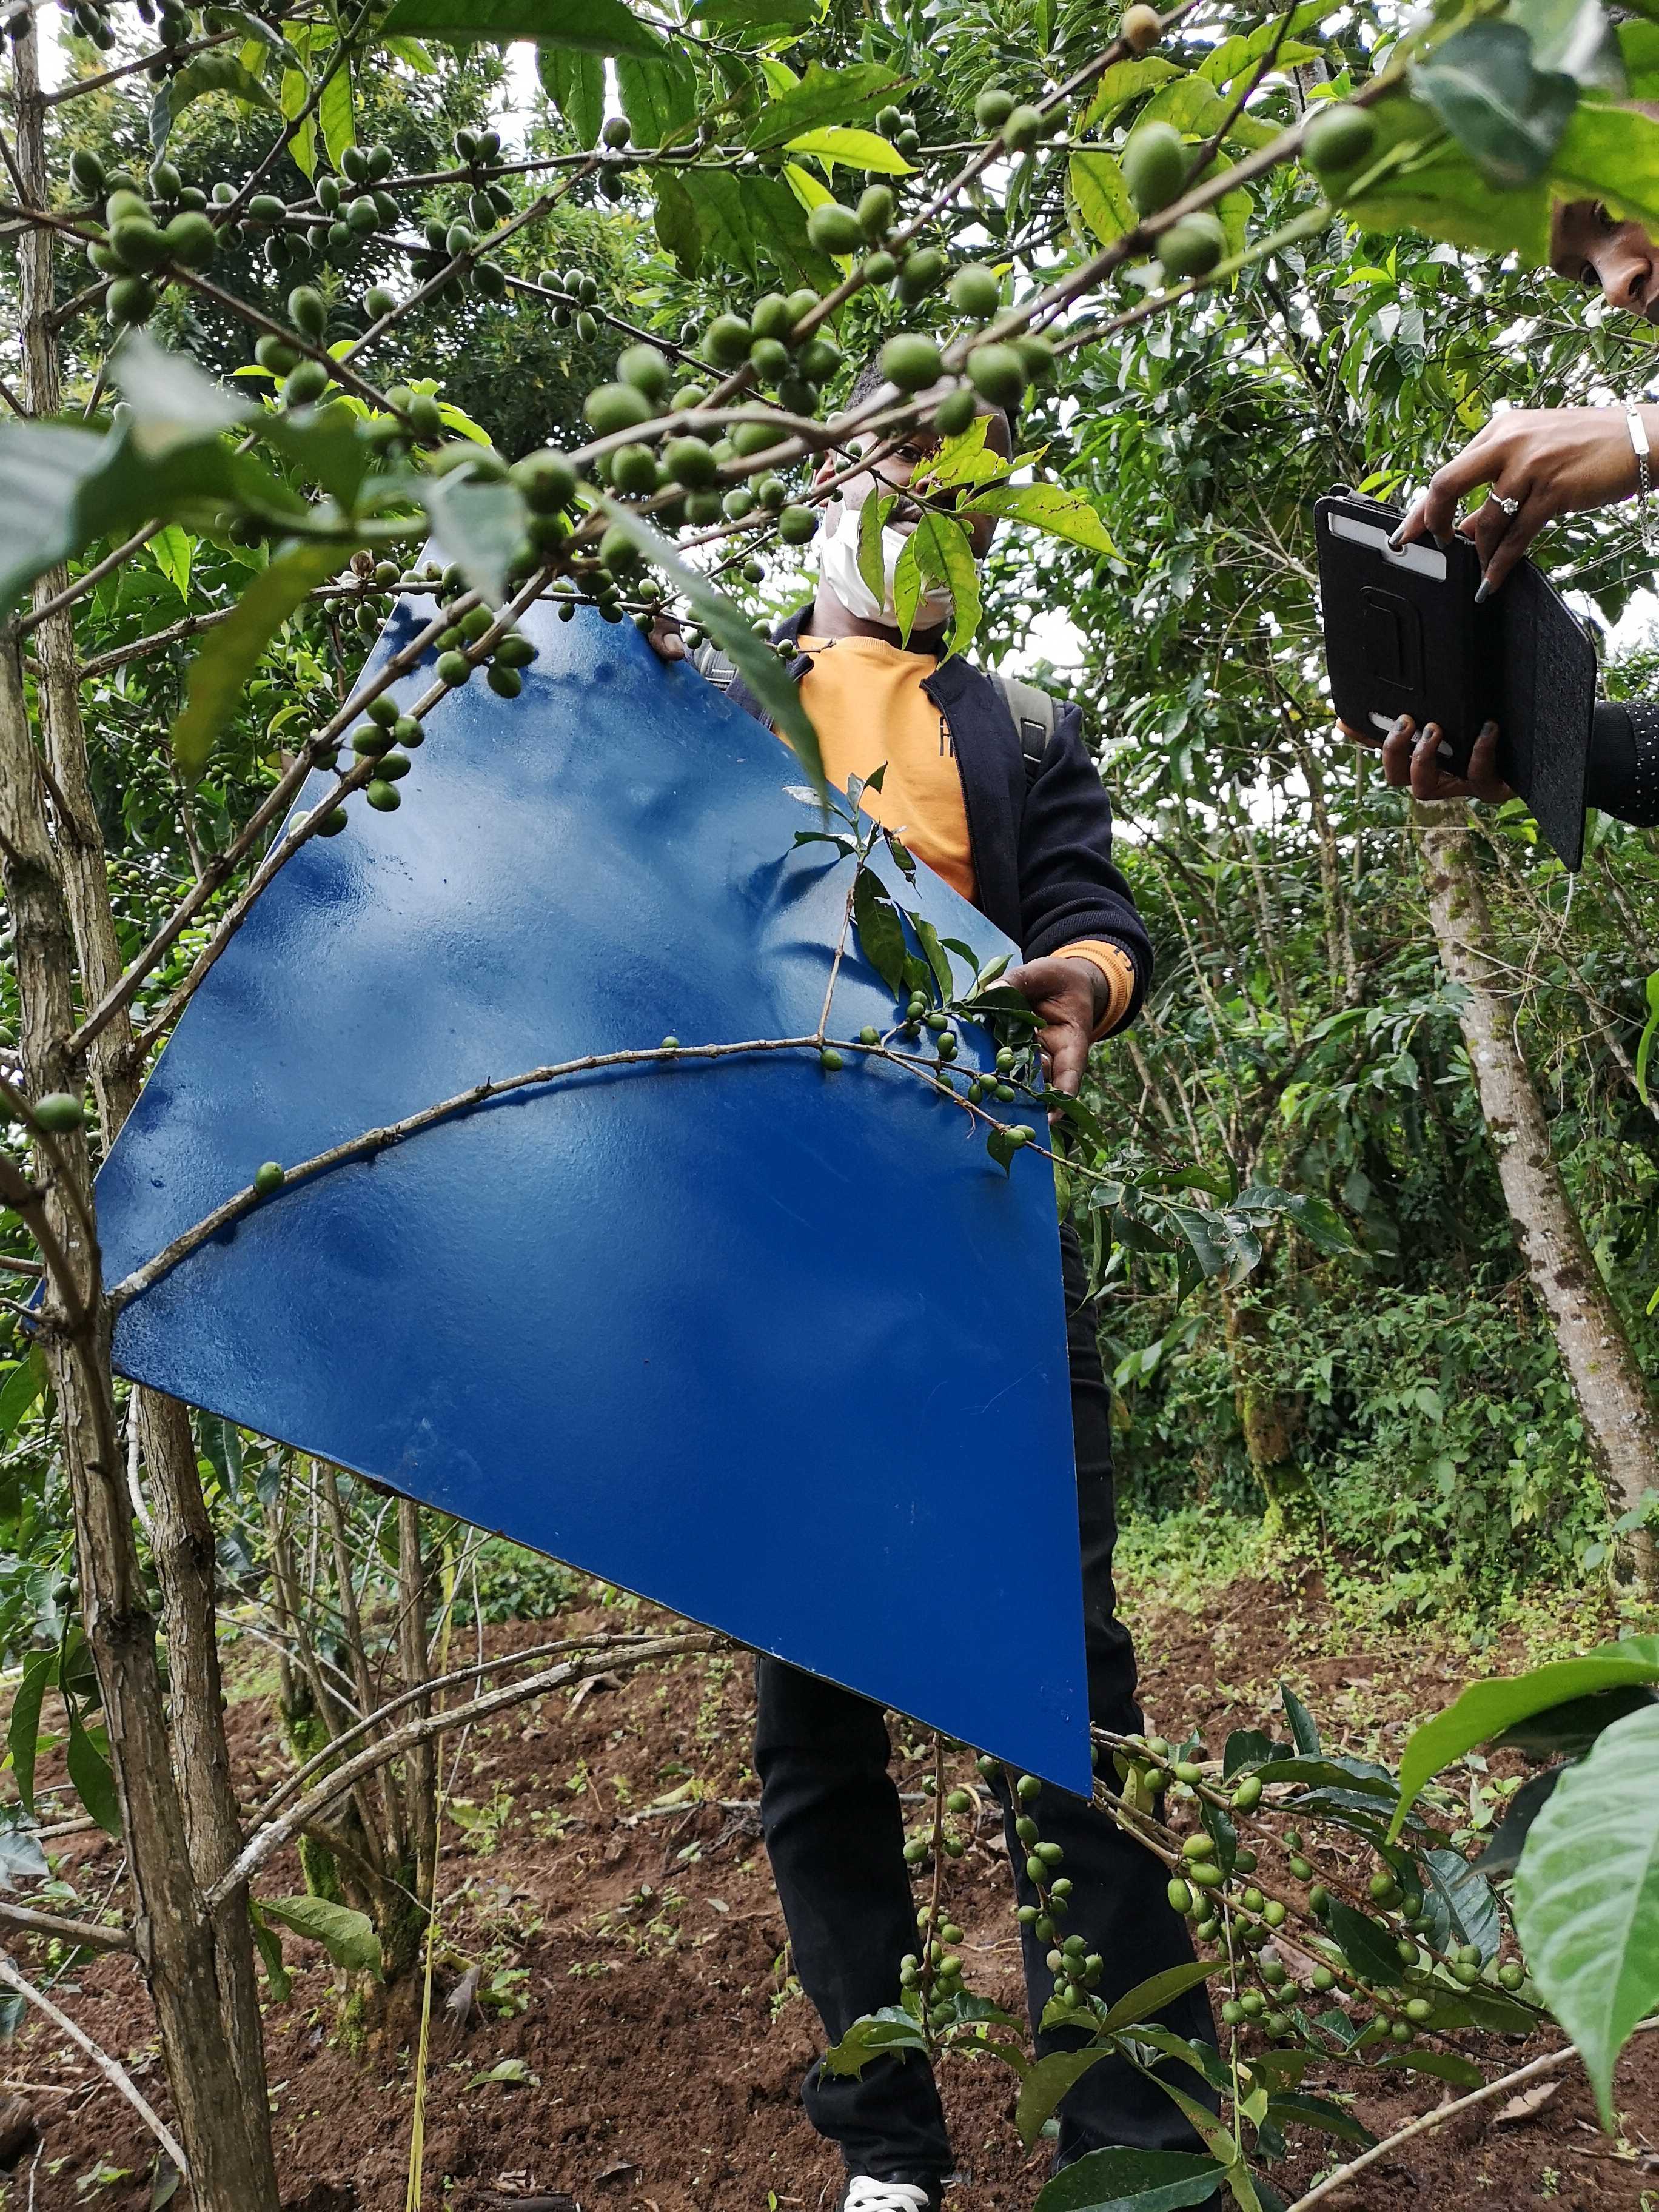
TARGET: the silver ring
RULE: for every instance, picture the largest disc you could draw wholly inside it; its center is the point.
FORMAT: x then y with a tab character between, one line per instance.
1508	506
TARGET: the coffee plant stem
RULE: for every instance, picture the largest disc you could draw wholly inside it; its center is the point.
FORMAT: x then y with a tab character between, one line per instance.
270	1837
83	85
1344	2174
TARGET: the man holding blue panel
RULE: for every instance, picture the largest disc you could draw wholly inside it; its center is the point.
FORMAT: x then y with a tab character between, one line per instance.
991	785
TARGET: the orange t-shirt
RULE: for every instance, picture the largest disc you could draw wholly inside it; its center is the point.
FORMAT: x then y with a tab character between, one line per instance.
867	703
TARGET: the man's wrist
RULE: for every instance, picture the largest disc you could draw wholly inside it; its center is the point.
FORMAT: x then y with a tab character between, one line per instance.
1113	974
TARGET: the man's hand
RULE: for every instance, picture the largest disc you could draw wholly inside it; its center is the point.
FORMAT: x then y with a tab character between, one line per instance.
1069	997
665	640
1412	762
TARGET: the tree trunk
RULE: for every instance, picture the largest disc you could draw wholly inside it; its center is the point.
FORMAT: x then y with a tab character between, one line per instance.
1618	1413
182	1537
1267	1422
227	2141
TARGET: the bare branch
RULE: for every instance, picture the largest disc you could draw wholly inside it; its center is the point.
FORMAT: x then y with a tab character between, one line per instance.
115	2074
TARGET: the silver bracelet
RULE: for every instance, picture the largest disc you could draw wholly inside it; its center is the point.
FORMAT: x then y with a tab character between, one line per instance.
1639	439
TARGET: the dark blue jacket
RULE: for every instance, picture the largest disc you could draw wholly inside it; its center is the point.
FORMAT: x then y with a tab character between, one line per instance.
1043	845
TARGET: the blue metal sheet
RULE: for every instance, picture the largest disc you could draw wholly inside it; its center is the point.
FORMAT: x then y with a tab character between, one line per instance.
781	1350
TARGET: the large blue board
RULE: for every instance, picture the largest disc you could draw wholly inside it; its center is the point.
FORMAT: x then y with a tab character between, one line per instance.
781	1350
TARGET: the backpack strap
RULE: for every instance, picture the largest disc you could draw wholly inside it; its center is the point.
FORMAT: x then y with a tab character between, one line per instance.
708	660
1033	711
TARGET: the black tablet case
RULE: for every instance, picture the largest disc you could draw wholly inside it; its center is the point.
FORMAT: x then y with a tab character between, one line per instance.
1399	641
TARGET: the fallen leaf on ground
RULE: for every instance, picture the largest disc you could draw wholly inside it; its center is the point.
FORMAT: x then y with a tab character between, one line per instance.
1523	2106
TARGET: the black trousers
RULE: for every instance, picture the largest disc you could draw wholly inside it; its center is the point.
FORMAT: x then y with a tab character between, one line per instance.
835	1832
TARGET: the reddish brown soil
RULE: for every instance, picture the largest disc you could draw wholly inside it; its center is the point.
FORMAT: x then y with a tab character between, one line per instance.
664	2039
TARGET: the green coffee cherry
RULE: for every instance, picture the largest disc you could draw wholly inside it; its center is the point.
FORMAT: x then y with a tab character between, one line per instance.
270	1177
997	373
726	340
1022	129
305	384
875	212
975	292
614	407
1318	1898
910	361
129	300
1180	1895
453	668
835	229
1027	1788
954	413
1192	246
59	1112
1337	137
1199	1846
830	1060
384	798
1155	162
647	370
993	107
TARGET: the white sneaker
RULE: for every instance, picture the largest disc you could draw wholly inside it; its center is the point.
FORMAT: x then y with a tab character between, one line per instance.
864	2193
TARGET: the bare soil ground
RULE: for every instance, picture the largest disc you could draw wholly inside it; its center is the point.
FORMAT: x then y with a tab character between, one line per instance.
634	1973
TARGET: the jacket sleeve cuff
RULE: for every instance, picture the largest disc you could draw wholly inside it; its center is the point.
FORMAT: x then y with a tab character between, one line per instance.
1115	965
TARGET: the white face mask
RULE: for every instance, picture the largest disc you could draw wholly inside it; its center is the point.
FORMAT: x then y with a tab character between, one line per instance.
838	564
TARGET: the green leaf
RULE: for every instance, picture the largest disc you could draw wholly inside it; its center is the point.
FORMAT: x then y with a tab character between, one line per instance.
1574	37
1507	116
753	659
90	1771
348	1937
1443	2065
1002	1144
880	932
1485	1709
857	149
1469	1900
1610	154
1102	198
1131	2181
174	404
1157	1992
334	113
1046	2083
229	653
23	1729
658	95
171	550
22	1391
872	559
1644	1046
1048	507
935	955
1429	185
510	2073
1366	1944
22	1859
755	224
1233	57
1322	1773
1586	1897
216	71
1198	110
1123	82
479	526
593	27
944	555
1304	2110
1569	1730
848	95
878	2033
269	1944
1304	1732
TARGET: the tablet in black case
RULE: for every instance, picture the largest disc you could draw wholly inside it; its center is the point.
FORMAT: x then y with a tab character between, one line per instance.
1404	636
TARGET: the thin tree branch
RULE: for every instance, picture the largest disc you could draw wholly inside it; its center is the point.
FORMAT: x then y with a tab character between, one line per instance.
1344	2174
113	2073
